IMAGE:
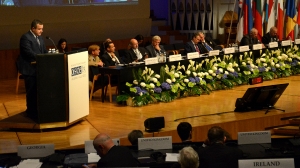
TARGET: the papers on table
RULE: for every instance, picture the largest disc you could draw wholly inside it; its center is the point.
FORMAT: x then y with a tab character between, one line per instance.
93	158
32	163
172	157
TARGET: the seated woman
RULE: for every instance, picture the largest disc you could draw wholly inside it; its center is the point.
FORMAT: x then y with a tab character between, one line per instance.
95	62
62	46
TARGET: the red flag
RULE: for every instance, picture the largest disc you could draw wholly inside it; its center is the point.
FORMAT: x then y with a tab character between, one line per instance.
279	23
298	18
257	15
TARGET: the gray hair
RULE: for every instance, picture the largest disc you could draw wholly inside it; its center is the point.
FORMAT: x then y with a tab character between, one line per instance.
188	158
154	38
253	30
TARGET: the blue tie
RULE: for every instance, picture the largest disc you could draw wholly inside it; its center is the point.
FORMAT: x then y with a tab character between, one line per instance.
207	47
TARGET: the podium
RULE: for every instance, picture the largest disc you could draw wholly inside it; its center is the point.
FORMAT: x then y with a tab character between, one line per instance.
62	92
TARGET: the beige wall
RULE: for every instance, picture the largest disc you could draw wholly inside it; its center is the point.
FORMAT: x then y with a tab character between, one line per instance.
76	23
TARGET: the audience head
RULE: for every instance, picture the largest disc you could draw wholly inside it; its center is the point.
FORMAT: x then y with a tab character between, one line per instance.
139	38
107	40
253	33
216	135
134	44
156	40
184	130
37	27
62	45
134	135
188	158
110	47
196	38
94	50
102	144
273	31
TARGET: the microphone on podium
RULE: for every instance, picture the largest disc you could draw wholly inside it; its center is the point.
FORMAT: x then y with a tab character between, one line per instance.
47	37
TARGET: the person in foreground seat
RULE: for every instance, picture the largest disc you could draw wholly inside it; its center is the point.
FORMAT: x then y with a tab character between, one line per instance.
134	135
188	158
184	130
217	154
111	155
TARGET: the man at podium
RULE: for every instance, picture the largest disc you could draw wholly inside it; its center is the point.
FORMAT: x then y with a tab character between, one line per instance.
31	44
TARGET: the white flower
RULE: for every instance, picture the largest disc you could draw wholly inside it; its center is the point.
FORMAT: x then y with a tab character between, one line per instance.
186	80
221	70
210	71
176	75
157	76
214	74
252	65
248	59
135	82
173	80
214	68
152	85
277	65
235	64
154	80
143	84
239	69
258	61
194	74
226	72
265	64
272	63
290	59
169	81
279	57
230	70
188	72
141	93
267	69
243	63
262	59
230	64
206	73
199	74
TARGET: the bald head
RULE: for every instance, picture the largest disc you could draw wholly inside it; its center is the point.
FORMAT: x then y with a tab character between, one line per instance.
102	144
253	33
134	43
273	31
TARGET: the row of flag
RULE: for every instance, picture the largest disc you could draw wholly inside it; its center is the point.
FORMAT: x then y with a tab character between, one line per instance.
264	14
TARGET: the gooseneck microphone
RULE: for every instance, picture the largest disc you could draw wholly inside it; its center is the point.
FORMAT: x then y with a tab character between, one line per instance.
47	37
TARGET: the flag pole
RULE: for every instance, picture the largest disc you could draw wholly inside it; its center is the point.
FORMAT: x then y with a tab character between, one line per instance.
231	23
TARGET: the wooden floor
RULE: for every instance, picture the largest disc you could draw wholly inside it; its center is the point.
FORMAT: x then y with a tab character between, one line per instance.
117	121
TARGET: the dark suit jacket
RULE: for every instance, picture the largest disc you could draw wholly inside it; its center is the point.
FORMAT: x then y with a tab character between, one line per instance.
209	42
190	47
247	40
29	48
151	50
131	56
218	155
266	39
117	156
108	61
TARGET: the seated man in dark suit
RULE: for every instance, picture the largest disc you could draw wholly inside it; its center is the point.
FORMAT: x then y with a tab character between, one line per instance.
135	53
217	154
271	36
110	57
184	130
154	48
111	155
207	44
134	135
193	46
250	39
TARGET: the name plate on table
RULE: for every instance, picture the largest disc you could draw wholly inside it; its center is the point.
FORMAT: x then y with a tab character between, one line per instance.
229	50
176	57
286	43
150	61
89	147
257	47
155	143
254	137
244	48
35	150
214	52
273	44
267	163
193	55
297	41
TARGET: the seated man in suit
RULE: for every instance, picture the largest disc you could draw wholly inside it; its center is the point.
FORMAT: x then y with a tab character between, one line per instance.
193	46
271	36
184	130
110	57
154	48
111	155
134	135
206	44
135	53
250	39
217	154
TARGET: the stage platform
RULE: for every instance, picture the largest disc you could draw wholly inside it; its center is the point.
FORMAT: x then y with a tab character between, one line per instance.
117	121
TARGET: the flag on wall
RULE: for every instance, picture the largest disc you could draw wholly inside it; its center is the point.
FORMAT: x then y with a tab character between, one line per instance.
291	18
270	14
257	15
279	23
240	26
247	17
